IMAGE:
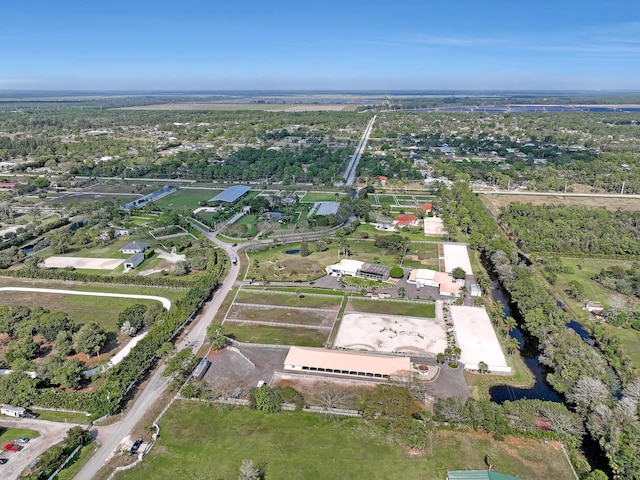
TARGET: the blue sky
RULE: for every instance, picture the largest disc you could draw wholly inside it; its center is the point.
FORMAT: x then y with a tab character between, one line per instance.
333	45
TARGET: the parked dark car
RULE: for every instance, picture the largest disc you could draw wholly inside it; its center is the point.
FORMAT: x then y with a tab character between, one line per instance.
136	446
3	461
30	414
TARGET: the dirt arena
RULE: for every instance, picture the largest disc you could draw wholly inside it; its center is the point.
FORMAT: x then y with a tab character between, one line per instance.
388	333
82	262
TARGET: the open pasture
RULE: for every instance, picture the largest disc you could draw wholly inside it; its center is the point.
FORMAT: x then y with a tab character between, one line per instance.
185	198
266	334
289	315
204	442
285	299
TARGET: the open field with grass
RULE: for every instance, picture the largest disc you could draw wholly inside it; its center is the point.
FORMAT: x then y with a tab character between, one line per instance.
74	466
630	340
56	416
82	309
8	434
312	197
417	235
248	333
422	255
186	198
390	307
496	202
583	271
201	441
329	302
265	313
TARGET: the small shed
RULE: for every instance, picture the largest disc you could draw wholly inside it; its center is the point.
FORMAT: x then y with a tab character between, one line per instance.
201	369
133	261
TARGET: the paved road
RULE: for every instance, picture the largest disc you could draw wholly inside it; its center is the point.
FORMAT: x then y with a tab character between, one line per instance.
350	172
50	433
158	384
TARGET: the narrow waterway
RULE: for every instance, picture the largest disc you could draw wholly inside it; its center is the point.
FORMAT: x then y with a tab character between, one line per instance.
529	353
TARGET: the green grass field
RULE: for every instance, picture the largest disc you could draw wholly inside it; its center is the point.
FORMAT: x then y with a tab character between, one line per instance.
82	309
201	441
407	309
589	267
55	416
262	297
305	337
186	198
7	435
312	197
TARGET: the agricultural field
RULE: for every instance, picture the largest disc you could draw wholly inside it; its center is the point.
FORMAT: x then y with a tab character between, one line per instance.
203	442
391	307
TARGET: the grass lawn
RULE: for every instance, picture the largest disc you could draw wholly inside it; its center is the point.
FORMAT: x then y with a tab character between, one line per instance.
312	197
185	198
55	416
386	200
408	309
262	297
426	253
251	222
109	251
202	441
417	235
82	309
7	435
249	333
74	466
630	340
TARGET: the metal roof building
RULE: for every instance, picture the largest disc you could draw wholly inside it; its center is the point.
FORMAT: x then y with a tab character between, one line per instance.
320	360
231	194
478	475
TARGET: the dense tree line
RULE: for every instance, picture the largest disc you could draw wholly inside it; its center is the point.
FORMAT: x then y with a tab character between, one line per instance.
54	456
573	230
583	374
620	279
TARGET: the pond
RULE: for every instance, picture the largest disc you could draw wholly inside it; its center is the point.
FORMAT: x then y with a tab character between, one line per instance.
292	252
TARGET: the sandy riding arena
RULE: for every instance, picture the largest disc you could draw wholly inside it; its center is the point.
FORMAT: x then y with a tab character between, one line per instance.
388	333
81	262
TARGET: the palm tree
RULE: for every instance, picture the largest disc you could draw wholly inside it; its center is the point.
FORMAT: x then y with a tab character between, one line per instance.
513	345
509	324
402	292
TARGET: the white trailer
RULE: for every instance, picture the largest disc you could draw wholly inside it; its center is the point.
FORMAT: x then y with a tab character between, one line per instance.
13	411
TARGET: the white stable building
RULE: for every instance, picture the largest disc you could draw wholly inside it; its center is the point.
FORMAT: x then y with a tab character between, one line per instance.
352	364
345	267
477	339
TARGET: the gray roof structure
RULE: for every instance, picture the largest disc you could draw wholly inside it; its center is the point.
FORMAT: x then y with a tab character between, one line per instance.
327	208
231	194
374	270
478	475
133	246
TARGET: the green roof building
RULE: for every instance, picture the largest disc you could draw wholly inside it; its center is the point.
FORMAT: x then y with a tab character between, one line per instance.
478	475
